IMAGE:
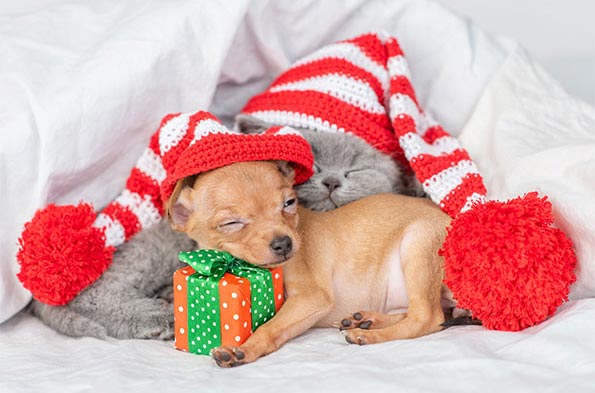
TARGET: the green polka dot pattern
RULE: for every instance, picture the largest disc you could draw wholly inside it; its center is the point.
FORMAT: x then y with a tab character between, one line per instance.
203	295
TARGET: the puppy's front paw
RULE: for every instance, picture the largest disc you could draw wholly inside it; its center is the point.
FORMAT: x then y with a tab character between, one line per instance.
228	356
358	320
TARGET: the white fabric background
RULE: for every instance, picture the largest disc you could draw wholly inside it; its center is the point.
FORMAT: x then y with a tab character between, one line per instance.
84	85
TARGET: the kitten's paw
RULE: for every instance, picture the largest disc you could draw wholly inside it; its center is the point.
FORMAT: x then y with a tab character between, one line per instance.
147	319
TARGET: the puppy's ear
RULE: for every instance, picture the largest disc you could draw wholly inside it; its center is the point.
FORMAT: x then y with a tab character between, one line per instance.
179	206
247	124
286	170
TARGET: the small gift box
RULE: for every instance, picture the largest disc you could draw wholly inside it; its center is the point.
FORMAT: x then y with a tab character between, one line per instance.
221	300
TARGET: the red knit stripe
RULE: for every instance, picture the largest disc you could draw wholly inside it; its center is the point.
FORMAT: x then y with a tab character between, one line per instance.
403	124
393	48
401	84
143	185
456	199
327	66
372	47
323	106
126	217
426	165
154	143
434	133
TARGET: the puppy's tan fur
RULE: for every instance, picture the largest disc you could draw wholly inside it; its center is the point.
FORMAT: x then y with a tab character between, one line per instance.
341	261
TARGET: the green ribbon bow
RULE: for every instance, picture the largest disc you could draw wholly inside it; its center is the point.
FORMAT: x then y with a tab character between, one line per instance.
204	318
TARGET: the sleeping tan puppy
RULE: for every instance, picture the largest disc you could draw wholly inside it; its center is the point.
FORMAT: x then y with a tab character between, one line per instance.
376	256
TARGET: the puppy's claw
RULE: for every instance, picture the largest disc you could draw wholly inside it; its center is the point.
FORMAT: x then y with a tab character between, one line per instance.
358	340
228	357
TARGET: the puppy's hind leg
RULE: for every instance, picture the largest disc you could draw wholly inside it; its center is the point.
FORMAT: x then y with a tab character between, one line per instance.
423	274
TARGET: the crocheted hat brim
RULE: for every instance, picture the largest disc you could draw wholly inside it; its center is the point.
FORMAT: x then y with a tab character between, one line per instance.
217	150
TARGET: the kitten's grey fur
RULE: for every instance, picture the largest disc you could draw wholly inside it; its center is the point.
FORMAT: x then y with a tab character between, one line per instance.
346	168
132	299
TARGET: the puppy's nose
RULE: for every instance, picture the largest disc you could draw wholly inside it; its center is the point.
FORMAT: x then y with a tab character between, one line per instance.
331	183
281	245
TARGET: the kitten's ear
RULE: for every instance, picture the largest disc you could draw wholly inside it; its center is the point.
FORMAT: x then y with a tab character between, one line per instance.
179	206
247	124
286	169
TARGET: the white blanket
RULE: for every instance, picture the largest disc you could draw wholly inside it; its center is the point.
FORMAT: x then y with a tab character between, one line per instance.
84	85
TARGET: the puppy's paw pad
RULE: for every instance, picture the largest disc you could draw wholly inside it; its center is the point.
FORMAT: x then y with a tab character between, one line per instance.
226	357
358	320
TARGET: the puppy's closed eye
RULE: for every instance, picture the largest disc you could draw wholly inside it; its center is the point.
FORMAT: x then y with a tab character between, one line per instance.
231	226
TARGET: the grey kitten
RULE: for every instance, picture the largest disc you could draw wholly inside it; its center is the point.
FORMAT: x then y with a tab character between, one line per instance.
132	298
346	168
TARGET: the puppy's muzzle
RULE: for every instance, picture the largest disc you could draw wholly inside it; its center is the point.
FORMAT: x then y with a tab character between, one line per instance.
281	246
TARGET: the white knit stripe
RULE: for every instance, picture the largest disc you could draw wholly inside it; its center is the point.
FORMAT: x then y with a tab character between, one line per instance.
426	121
142	207
296	119
413	145
209	126
173	132
442	183
288	131
402	104
473	199
150	164
349	90
397	66
114	231
353	54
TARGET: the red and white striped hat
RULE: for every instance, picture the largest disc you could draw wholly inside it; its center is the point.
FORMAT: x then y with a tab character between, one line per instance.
362	86
63	249
498	255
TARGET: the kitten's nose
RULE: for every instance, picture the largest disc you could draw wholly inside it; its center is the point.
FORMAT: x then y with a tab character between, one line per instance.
281	245
331	183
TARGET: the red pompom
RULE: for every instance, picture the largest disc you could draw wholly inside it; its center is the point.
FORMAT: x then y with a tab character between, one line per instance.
61	253
507	264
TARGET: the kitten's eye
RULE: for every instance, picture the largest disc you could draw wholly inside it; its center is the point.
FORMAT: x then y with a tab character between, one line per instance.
231	226
316	169
354	171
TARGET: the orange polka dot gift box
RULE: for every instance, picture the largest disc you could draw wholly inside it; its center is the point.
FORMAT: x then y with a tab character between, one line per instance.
221	300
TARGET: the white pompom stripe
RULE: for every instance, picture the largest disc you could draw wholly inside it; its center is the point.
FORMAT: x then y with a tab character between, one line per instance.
173	132
397	66
353	54
288	131
113	230
347	89
401	105
151	165
296	119
473	199
444	182
209	126
413	145
142	207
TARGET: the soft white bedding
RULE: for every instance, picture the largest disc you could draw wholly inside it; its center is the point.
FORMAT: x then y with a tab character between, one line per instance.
83	85
556	356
